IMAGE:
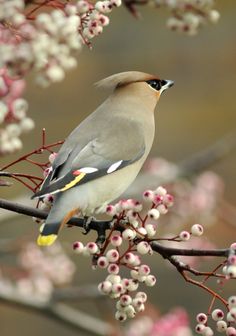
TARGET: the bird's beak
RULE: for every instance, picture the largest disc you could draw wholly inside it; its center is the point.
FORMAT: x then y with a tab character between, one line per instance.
166	84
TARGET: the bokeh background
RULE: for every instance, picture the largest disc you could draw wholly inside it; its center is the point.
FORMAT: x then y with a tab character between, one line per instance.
198	111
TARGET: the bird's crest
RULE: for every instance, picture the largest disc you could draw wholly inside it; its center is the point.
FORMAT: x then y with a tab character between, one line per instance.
124	78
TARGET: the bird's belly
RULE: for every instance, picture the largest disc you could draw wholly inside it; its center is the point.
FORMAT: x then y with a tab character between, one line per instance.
91	196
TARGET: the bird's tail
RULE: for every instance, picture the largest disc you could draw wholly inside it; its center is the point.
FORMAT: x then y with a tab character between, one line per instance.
52	226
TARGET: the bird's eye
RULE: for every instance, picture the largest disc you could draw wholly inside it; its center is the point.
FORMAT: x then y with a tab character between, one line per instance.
156	83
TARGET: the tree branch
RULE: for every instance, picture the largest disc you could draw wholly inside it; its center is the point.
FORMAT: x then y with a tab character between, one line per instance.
102	226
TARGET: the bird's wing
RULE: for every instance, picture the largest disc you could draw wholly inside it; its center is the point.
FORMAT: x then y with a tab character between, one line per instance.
101	156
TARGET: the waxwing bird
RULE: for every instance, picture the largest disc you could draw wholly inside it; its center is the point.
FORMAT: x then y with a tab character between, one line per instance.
103	155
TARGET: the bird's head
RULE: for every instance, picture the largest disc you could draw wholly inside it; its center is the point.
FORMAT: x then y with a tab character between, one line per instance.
138	84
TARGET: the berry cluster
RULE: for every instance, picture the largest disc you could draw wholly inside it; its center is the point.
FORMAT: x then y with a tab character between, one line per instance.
189	15
13	120
45	42
224	324
230	268
129	239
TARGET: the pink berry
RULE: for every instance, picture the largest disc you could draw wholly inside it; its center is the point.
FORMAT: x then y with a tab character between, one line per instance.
112	255
116	240
78	247
201	318
217	315
103	262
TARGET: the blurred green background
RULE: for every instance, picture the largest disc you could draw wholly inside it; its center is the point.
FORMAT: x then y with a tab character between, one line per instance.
194	114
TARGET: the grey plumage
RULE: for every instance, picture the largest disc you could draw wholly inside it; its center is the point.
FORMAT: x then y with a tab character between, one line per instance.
120	133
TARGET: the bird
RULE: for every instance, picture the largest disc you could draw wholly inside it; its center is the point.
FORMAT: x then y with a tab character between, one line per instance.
103	155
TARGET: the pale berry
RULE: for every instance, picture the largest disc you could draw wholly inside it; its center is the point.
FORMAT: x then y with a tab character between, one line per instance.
221	326
125	300
200	328
120	316
150	280
231	331
112	255
92	247
102	262
153	214
143	247
197	230
113	269
78	247
116	240
128	234
201	318
184	235
217	315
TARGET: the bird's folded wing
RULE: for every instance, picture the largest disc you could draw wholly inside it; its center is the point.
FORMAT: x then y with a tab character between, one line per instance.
98	158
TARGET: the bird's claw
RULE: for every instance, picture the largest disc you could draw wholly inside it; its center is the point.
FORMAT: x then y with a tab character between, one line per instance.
86	224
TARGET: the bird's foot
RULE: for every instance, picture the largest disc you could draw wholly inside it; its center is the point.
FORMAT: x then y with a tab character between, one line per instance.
86	224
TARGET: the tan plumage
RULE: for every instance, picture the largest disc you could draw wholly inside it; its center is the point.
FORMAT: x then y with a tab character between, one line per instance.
104	154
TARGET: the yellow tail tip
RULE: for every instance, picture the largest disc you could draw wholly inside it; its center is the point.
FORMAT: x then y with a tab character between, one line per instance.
46	240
